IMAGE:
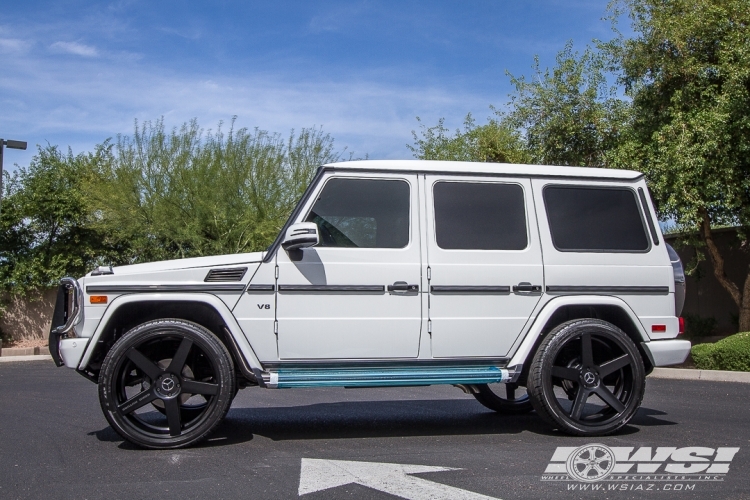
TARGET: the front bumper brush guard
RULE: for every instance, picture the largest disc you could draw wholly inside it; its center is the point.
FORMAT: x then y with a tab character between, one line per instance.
68	311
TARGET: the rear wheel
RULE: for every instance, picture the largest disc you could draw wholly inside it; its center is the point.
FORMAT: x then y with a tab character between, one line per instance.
504	398
166	384
587	378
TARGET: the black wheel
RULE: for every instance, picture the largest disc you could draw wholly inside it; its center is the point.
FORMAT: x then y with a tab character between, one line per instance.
504	398
166	384
587	378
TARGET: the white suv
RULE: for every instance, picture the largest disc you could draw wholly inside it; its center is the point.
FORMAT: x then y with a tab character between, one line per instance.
530	287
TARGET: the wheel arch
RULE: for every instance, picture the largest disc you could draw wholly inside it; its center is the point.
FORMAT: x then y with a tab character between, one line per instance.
561	309
128	311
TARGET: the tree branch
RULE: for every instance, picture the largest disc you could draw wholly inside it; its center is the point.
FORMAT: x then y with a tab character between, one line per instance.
716	258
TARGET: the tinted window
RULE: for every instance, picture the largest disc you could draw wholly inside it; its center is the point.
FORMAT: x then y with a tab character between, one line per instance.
474	216
595	219
362	213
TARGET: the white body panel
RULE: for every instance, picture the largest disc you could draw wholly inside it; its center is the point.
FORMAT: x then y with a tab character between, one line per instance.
484	323
344	324
611	269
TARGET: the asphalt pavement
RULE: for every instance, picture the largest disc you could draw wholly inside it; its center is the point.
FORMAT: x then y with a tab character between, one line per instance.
55	443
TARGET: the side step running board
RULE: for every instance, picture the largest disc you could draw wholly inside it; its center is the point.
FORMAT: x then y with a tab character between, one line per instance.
388	377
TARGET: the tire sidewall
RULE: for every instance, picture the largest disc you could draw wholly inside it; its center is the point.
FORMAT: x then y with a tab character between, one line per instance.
542	394
206	341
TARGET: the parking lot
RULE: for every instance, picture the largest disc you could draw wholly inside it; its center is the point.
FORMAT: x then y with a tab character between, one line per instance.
55	443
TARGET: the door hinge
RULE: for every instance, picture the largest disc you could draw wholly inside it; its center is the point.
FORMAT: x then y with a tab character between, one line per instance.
429	326
276	327
429	273
277	272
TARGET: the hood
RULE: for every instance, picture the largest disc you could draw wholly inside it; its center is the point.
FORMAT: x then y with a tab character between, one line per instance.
195	262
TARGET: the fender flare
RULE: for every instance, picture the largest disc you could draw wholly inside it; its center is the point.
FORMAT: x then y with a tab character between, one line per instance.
523	351
238	336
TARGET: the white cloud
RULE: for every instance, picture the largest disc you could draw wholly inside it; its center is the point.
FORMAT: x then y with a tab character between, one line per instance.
13	46
96	99
75	48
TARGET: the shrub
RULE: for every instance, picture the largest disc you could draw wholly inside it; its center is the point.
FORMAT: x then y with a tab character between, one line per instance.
732	353
696	326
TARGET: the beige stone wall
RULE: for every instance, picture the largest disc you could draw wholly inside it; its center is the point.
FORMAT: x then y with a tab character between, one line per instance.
29	317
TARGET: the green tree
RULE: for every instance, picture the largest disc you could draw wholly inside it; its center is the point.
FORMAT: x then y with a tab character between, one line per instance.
688	75
494	141
45	225
570	115
185	192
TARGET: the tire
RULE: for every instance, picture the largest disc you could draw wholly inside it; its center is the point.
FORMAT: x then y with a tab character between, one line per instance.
583	358
504	398
175	367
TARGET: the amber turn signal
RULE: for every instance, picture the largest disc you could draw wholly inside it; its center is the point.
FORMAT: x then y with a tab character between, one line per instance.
98	299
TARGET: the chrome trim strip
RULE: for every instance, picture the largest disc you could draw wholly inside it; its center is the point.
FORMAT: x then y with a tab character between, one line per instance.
332	288
610	290
450	289
213	288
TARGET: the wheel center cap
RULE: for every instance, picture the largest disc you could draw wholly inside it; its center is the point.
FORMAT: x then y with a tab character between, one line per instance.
167	386
589	378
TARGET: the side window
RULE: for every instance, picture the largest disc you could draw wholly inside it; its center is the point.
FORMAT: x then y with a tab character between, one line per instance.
479	216
362	213
591	219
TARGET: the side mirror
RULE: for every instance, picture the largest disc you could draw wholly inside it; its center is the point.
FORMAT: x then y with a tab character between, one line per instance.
301	235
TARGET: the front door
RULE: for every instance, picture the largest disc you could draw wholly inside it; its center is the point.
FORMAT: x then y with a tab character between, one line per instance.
485	263
356	294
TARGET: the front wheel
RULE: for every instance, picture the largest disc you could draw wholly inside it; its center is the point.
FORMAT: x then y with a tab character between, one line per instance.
166	384
587	378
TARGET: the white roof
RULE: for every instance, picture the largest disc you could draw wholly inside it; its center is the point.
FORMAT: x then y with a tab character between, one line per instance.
465	167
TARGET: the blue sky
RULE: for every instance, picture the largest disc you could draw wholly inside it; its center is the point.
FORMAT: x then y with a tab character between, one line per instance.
73	73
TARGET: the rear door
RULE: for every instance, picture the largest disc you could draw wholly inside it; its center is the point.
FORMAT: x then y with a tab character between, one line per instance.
485	263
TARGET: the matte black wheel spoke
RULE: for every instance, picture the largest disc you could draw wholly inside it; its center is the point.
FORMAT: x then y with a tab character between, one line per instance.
580	402
172	407
137	401
510	392
143	363
195	387
587	356
178	361
614	365
609	398
565	373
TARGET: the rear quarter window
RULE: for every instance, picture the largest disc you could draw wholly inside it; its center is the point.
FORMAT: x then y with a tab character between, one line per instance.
595	219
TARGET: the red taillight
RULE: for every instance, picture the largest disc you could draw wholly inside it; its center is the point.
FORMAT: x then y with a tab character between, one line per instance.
682	326
658	328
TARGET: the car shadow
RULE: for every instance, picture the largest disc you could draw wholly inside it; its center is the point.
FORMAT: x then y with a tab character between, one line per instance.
379	419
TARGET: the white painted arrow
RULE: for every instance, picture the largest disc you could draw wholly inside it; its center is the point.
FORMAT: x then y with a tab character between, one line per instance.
317	475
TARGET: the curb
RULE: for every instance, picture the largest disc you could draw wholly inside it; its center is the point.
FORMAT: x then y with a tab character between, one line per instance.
708	375
11	359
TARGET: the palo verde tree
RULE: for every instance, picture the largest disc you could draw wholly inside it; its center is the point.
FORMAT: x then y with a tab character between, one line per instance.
182	193
687	73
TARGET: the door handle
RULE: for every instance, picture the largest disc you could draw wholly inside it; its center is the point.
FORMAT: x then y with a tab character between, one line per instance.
527	288
402	287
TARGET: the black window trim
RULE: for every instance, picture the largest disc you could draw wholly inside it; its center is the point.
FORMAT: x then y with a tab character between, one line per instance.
477	181
591	186
314	197
647	213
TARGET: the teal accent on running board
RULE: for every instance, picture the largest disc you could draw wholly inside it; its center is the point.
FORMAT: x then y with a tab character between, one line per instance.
384	377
